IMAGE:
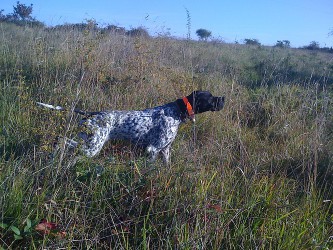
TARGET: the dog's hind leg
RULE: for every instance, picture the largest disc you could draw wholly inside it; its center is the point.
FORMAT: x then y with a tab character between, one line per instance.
63	144
70	143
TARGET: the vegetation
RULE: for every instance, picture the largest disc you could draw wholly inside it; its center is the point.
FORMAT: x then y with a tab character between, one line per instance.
22	15
203	34
255	176
248	41
283	44
23	12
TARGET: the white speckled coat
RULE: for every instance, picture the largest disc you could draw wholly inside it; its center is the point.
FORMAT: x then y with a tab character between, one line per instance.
154	128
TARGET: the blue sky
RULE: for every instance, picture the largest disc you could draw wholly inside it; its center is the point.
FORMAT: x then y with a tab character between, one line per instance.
299	21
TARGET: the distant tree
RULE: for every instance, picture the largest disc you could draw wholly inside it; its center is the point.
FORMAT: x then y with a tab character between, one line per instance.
21	16
279	44
22	11
252	42
286	43
140	31
283	44
203	34
313	46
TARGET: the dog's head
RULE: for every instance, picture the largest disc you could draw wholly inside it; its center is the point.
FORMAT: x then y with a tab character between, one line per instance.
199	102
203	101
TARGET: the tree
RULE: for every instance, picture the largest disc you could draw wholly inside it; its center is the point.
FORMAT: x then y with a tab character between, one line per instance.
22	11
252	42
21	16
203	34
286	43
283	44
313	46
138	32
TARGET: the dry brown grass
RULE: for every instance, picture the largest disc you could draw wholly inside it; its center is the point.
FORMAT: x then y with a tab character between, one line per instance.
255	175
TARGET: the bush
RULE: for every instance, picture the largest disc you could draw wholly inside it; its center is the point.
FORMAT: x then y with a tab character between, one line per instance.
248	41
203	34
138	32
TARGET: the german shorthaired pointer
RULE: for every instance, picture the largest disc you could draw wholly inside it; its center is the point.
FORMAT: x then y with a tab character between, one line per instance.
153	128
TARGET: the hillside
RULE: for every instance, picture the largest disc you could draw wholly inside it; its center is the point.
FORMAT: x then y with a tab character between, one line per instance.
256	175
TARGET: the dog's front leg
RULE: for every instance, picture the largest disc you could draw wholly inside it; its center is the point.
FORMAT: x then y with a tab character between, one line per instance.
152	153
166	155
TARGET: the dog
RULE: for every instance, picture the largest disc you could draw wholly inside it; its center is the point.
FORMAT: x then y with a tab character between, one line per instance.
154	128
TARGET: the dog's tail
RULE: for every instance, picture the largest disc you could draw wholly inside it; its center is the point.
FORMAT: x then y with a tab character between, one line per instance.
49	106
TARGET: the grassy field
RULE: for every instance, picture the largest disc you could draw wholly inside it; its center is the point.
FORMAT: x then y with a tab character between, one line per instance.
257	175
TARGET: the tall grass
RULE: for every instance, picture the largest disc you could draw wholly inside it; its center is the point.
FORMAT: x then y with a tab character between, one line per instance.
255	176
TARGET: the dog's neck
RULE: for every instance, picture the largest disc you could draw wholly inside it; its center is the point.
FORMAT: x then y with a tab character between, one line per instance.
185	112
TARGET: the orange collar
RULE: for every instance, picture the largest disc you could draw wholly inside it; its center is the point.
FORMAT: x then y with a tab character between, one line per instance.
189	108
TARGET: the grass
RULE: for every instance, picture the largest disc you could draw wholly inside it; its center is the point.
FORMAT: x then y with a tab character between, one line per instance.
255	176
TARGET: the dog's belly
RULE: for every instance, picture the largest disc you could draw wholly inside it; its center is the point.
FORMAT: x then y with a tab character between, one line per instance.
133	135
136	127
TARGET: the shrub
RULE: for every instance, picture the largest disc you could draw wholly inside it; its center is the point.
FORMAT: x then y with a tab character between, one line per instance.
138	32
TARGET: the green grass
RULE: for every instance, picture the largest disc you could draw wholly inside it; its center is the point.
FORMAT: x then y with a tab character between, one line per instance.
256	175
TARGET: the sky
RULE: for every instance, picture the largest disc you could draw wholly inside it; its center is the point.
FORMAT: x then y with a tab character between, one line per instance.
299	21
